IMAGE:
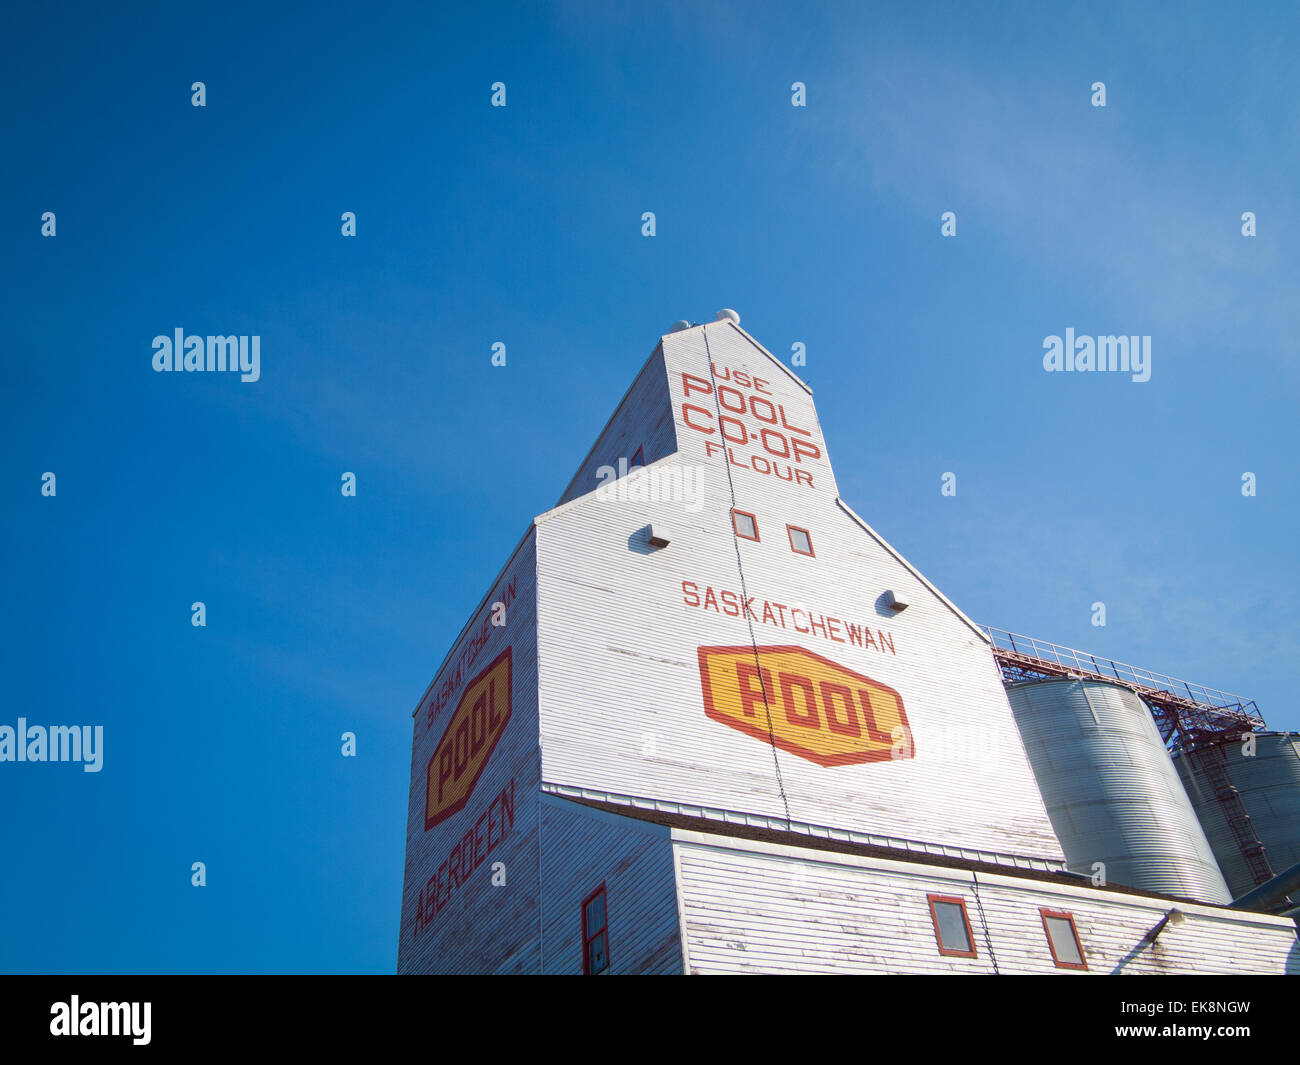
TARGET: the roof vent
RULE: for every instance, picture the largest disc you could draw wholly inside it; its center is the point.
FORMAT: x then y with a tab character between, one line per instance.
679	326
728	315
894	603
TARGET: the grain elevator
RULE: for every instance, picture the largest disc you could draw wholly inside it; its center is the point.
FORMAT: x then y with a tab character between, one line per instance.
706	719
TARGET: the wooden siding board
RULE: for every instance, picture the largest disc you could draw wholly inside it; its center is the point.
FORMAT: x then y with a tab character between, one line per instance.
622	707
583	848
776	909
643	420
482	928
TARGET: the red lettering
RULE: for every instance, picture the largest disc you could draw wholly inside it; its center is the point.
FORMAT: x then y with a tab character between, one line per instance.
444	769
686	408
723	392
494	719
804	450
754	401
793	428
848	726
466	856
508	808
690	593
761	386
744	433
478	724
793	611
867	697
703	387
479	852
461	745
729	599
803	477
766	435
751	697
808	719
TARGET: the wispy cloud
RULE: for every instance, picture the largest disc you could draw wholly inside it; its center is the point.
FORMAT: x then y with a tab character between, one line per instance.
1085	194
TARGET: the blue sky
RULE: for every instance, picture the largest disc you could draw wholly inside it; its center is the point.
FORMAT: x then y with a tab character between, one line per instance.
523	225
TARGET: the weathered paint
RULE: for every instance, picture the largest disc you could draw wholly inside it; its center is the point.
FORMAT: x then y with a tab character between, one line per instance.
584	848
454	918
621	627
607	700
759	907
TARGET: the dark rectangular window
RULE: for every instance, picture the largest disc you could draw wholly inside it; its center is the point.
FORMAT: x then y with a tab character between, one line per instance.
1063	940
800	541
745	524
951	926
595	933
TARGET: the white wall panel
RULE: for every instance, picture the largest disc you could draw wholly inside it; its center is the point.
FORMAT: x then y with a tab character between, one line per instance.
752	907
583	848
480	928
622	702
643	422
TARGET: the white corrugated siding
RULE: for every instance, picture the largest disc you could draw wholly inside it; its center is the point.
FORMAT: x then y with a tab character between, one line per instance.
757	907
622	708
583	848
482	928
643	421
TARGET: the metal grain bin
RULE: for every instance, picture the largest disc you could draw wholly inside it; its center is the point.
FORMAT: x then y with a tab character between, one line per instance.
1269	785
1111	789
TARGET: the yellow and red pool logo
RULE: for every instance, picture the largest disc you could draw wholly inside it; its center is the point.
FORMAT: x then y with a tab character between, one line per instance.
468	741
805	704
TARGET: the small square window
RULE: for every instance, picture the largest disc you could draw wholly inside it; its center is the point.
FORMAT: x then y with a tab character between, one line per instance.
1063	940
800	541
951	926
746	525
595	933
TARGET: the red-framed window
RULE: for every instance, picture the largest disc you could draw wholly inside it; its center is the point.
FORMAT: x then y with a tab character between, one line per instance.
745	524
951	926
595	933
1063	939
638	459
800	541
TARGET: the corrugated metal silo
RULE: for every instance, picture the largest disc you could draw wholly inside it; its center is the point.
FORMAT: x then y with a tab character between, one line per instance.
1269	785
1111	789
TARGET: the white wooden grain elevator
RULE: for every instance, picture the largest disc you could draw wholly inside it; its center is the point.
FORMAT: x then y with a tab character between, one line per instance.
705	719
